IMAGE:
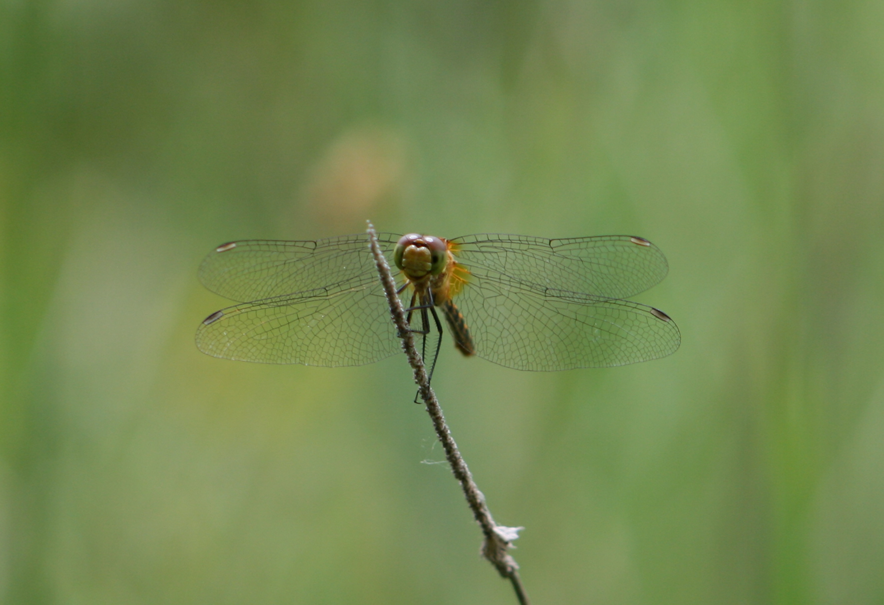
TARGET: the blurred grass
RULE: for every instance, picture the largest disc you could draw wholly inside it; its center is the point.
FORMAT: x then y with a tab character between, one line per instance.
746	140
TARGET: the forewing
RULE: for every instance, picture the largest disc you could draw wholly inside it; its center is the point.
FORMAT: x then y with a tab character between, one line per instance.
334	326
258	269
532	328
611	266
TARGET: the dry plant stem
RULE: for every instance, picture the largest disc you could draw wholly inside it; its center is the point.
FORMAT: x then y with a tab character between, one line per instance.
498	539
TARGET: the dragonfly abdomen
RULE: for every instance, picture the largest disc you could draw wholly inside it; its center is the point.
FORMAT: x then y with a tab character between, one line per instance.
459	329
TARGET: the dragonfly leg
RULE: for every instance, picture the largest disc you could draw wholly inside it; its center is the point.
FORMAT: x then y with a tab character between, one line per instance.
425	346
438	342
410	310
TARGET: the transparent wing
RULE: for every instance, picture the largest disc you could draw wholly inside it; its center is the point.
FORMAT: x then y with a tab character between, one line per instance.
258	269
527	327
343	325
531	303
612	266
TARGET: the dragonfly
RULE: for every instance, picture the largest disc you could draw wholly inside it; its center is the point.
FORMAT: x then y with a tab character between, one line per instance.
522	302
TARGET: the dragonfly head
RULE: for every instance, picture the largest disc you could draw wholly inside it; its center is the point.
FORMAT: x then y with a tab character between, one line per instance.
419	255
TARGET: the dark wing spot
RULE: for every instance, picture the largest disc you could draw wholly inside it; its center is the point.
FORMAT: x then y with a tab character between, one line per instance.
660	314
213	318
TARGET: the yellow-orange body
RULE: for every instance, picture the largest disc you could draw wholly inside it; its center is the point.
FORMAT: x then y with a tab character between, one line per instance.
432	270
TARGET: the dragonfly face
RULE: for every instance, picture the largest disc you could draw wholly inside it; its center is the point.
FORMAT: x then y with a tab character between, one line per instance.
421	255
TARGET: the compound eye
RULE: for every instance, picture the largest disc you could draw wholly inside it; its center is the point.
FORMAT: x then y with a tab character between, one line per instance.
438	253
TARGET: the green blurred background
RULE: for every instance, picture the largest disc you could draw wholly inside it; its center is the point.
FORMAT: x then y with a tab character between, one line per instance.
746	139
